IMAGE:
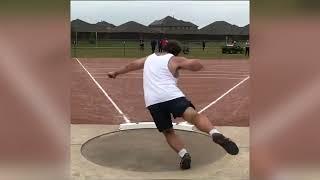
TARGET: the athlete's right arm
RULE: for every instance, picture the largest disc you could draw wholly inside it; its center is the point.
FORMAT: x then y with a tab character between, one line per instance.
187	64
133	66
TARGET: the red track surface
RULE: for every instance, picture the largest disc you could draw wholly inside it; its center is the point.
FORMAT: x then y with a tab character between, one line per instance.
89	104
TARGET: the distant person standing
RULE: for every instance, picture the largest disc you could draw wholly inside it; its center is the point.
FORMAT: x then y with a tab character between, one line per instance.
141	44
159	45
153	45
203	45
247	48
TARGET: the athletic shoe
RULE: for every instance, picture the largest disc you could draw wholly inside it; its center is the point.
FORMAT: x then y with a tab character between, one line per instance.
226	143
185	162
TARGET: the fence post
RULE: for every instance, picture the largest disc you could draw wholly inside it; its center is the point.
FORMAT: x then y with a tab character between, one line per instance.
96	39
124	48
74	49
76	37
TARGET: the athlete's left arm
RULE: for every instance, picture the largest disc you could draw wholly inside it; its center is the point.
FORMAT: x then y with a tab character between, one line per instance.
133	66
187	64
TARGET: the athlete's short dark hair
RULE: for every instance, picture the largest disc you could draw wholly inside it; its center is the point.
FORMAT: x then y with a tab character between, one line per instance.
172	47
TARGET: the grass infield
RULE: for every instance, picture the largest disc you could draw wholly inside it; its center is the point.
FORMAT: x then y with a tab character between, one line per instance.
131	49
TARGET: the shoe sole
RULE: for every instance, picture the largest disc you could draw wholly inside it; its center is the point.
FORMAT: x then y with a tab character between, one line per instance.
185	163
228	145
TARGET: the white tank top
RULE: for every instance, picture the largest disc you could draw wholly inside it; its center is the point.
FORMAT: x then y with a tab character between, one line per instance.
159	84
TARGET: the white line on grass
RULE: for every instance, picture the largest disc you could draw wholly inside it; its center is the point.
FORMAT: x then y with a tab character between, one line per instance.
105	93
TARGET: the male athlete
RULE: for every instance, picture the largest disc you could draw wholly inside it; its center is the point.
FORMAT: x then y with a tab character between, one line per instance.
163	98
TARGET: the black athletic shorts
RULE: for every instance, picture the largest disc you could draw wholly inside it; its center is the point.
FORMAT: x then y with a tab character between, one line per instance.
161	112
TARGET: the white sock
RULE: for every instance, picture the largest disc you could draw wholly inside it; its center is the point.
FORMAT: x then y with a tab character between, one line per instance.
214	131
182	152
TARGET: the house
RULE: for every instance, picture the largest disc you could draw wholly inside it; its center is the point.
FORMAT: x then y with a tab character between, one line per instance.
174	26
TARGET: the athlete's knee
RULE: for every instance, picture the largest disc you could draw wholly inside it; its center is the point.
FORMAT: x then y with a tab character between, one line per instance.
191	115
194	118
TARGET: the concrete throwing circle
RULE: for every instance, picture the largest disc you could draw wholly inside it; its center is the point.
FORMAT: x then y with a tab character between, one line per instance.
146	150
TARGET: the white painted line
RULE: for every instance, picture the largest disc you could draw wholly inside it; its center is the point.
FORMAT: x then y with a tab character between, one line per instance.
105	93
215	101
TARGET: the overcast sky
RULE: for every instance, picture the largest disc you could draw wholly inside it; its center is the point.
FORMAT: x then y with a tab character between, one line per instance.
200	13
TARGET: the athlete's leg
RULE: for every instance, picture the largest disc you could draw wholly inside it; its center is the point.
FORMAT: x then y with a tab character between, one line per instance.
173	140
162	119
177	145
203	124
200	121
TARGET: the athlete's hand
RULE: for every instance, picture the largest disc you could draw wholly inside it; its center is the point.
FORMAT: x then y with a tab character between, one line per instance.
112	75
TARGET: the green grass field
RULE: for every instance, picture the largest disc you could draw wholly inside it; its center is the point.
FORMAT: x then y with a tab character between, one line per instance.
131	49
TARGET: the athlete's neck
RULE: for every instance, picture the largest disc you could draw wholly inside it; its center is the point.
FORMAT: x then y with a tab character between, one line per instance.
161	53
